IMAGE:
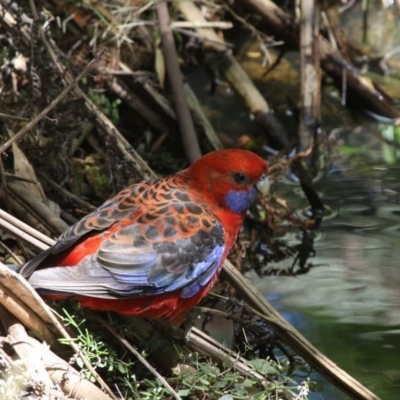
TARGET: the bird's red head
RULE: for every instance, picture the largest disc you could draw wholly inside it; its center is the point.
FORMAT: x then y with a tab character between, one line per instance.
229	179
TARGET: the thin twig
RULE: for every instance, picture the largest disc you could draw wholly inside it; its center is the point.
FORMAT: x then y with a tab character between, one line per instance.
124	342
26	228
13	230
207	24
14	117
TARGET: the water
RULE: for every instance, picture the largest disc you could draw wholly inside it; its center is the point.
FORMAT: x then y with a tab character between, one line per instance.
348	305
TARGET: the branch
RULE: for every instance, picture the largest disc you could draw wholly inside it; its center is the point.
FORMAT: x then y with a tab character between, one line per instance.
186	126
310	74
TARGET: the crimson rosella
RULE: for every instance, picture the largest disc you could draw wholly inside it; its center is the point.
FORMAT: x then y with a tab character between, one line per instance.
157	247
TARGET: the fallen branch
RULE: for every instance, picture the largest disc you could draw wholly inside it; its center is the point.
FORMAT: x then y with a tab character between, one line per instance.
45	370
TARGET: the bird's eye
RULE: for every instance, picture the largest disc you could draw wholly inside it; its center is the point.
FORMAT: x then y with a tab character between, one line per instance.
240	177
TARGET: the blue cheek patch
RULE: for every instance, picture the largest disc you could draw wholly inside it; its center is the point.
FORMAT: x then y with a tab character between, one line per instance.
240	201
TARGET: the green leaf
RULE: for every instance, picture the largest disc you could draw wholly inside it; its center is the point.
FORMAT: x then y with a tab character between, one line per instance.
263	366
221	384
204	381
249	383
122	368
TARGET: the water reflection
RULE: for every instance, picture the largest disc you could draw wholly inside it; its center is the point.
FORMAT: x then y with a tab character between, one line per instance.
348	305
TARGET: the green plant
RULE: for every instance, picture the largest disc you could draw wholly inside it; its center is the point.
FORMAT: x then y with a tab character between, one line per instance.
204	377
100	355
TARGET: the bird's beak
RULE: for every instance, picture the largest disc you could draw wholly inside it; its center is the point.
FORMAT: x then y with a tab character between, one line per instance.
263	185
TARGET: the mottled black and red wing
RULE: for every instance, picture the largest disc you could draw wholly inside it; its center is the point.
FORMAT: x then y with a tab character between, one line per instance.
155	239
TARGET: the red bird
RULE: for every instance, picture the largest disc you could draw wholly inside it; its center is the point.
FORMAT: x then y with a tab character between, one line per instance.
157	247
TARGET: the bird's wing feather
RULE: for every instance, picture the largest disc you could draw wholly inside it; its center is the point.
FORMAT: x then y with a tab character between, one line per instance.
128	264
121	206
165	245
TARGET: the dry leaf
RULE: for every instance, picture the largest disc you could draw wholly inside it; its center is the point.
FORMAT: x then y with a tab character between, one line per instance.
24	169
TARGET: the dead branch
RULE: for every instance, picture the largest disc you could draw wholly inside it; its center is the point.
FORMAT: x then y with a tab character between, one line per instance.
310	74
188	133
10	299
46	370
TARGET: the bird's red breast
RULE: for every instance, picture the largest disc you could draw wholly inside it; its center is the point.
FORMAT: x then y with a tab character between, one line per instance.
156	248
